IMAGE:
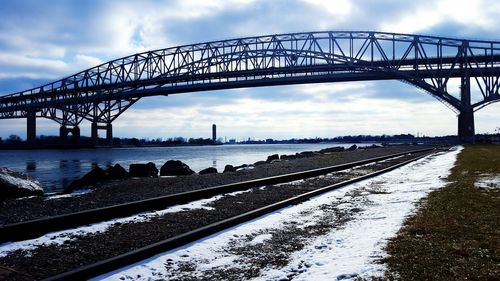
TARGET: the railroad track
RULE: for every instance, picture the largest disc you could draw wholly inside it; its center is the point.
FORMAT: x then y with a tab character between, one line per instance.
39	227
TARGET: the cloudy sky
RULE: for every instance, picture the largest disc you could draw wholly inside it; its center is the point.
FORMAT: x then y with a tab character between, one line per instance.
42	41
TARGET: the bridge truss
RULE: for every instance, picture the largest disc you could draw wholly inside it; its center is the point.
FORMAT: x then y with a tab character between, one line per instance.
100	94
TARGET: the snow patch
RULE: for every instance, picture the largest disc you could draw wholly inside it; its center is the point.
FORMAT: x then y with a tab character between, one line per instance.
246	168
297	182
488	182
259	239
72	194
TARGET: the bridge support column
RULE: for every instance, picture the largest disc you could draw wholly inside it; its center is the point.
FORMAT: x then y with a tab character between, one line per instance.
466	116
466	126
93	134
76	135
63	134
109	134
95	127
31	128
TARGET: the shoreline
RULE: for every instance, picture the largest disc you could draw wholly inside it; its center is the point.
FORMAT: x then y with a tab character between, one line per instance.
121	191
56	169
24	146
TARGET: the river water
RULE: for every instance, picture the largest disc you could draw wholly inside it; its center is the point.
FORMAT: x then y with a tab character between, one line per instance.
56	169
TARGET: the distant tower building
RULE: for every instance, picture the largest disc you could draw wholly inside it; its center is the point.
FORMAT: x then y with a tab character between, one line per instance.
214	132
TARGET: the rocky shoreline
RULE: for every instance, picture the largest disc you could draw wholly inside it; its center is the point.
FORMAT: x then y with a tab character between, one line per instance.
80	249
125	190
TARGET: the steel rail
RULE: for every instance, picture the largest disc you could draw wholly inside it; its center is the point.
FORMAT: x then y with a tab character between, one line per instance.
38	227
137	255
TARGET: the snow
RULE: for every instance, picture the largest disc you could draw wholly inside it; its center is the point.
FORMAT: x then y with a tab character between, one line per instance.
488	182
60	237
246	168
296	182
344	253
259	239
72	194
19	180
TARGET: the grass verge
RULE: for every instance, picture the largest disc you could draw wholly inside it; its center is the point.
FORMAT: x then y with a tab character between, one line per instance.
455	234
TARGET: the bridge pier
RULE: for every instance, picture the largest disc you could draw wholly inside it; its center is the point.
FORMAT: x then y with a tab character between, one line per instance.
31	128
95	127
466	126
63	134
466	116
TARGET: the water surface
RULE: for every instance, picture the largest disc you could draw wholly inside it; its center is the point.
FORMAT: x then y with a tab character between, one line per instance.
56	169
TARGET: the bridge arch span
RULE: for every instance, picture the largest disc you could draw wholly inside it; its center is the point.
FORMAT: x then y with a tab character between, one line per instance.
100	94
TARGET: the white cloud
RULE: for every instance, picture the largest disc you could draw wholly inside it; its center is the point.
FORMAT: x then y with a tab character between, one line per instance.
15	61
420	19
428	14
14	66
332	87
87	61
336	7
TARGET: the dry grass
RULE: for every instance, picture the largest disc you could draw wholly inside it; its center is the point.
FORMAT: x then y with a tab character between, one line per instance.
456	233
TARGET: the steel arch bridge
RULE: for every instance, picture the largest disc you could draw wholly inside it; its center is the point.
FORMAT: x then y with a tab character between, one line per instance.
100	94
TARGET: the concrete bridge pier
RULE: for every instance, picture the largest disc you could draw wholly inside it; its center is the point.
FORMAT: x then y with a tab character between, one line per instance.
31	128
466	126
95	135
466	116
65	131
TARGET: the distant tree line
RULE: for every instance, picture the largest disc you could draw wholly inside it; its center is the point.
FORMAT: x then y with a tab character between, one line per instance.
176	141
343	139
12	139
84	140
15	140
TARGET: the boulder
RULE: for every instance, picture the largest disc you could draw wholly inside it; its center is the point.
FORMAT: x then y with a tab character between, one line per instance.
229	168
94	176
288	157
175	168
143	170
306	154
332	149
272	157
117	172
352	147
258	163
15	184
209	170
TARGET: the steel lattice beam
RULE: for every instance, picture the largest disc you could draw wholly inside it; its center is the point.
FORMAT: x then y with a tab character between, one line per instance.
102	93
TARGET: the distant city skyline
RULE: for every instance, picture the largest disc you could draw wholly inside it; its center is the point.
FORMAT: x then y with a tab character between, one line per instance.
45	41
